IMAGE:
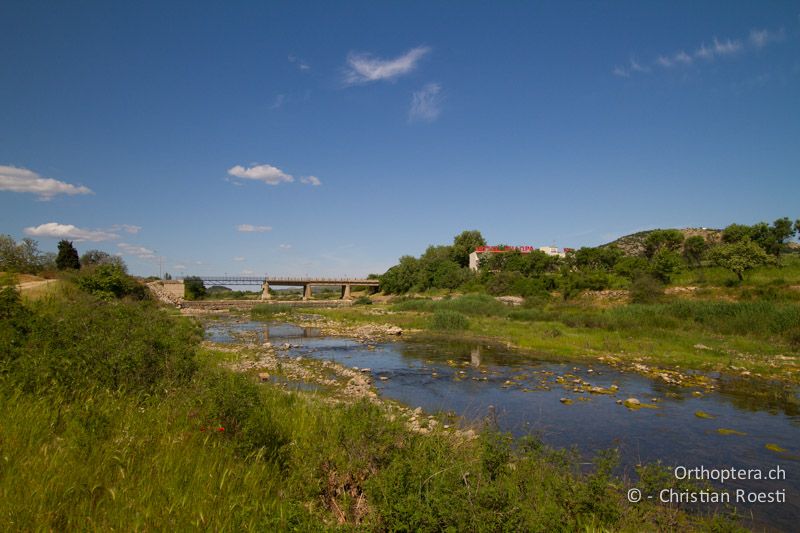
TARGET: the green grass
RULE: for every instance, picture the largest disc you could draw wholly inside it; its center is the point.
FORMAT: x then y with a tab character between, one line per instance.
267	311
754	334
138	429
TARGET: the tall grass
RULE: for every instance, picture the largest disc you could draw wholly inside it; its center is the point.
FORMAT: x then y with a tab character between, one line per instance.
470	304
142	430
761	318
267	311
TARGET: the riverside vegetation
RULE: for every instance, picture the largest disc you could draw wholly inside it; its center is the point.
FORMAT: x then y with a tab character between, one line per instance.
116	417
724	300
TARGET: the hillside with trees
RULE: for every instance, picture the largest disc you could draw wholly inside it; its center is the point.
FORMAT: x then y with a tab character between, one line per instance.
654	259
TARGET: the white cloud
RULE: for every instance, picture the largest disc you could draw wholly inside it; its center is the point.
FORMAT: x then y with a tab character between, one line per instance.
68	231
683	58
633	66
727	47
285	246
179	267
426	103
761	38
364	68
138	251
664	61
16	179
127	228
717	49
280	99
247	272
266	173
621	72
704	52
239	259
302	65
249	228
311	180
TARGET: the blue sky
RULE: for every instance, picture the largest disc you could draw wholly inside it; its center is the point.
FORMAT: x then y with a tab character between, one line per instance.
331	138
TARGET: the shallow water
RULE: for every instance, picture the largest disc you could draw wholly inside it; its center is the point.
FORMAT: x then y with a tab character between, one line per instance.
473	382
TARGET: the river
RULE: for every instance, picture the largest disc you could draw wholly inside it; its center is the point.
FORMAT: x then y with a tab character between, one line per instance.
742	424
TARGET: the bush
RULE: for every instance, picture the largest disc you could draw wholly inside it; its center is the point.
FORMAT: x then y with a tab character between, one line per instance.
449	320
109	281
363	300
193	288
646	289
81	343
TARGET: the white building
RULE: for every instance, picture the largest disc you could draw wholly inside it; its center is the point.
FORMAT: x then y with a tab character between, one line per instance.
475	257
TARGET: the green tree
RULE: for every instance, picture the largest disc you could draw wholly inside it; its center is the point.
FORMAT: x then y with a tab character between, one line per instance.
738	257
600	258
669	239
736	233
67	256
464	244
23	257
665	263
781	231
693	250
631	267
99	257
193	288
429	264
400	278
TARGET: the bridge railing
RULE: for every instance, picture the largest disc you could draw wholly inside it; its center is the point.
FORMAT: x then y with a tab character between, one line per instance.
279	279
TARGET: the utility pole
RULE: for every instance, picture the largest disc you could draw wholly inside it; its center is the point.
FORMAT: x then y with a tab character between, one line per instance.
160	264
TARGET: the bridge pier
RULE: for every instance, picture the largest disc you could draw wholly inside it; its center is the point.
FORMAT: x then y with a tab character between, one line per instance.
307	292
265	295
346	292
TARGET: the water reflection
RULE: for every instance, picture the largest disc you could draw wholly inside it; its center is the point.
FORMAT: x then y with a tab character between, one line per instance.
467	378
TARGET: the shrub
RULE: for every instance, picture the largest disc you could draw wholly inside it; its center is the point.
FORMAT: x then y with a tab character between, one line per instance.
109	281
363	300
193	288
81	343
646	289
449	320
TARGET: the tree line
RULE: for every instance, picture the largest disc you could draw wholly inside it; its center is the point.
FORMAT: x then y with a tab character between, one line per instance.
665	253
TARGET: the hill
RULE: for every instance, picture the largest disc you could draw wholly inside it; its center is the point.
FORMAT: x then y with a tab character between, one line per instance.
633	244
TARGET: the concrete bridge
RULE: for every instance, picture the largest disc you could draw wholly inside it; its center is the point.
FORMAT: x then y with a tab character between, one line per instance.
306	283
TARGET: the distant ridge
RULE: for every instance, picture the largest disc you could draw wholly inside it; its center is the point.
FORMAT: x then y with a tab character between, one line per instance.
633	244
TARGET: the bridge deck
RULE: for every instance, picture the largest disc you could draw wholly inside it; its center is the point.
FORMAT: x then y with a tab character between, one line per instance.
288	281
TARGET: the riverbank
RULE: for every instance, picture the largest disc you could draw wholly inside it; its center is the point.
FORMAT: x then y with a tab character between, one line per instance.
657	346
116	416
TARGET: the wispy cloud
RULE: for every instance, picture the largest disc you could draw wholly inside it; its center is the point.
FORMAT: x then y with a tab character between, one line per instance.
426	103
239	259
137	251
179	267
280	100
284	246
266	173
250	228
311	180
763	37
17	179
302	65
247	272
127	228
68	231
365	68
758	38
633	66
